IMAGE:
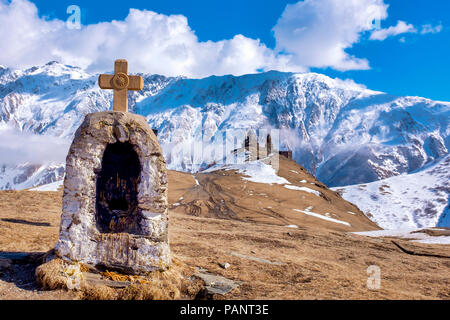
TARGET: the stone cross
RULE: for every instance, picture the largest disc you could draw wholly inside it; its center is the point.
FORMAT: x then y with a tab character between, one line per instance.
120	82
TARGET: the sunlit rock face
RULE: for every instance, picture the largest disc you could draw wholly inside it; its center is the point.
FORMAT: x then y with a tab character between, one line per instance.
115	196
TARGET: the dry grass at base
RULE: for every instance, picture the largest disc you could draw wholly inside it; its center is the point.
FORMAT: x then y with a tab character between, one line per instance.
159	285
51	275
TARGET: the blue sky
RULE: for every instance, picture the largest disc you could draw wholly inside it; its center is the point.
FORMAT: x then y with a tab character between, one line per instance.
409	63
419	66
210	19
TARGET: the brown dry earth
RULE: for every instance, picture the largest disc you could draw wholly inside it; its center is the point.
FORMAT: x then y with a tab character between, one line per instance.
225	218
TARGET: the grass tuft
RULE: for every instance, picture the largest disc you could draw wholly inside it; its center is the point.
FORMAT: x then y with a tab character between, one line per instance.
173	283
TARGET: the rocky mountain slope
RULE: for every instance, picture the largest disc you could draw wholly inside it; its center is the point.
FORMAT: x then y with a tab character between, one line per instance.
340	131
416	200
253	191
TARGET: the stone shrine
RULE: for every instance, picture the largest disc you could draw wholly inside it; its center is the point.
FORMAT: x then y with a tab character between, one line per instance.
115	209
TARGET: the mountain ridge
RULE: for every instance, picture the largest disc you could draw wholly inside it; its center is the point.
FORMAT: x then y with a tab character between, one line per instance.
340	131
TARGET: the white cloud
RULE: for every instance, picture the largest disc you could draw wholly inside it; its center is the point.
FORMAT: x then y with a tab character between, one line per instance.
400	28
428	28
151	42
350	84
23	147
317	32
310	33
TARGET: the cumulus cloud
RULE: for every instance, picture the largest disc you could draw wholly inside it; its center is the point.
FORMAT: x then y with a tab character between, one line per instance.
317	32
310	33
350	84
151	42
23	147
428	28
400	28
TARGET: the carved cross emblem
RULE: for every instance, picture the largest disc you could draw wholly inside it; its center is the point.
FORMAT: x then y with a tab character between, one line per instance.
120	82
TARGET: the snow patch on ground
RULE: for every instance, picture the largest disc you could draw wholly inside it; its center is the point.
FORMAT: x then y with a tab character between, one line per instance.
317	215
54	186
409	233
317	193
255	170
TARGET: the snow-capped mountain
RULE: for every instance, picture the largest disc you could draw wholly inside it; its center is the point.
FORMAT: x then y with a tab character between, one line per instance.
340	131
419	199
27	175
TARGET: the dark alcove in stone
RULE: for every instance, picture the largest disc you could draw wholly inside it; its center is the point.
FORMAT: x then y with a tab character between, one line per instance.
117	190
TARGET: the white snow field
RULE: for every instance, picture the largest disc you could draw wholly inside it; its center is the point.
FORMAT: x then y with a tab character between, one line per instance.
416	200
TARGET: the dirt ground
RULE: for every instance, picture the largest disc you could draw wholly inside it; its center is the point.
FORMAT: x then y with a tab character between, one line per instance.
227	219
224	194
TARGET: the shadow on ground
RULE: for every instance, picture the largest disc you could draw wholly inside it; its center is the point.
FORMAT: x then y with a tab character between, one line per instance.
19	268
31	223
